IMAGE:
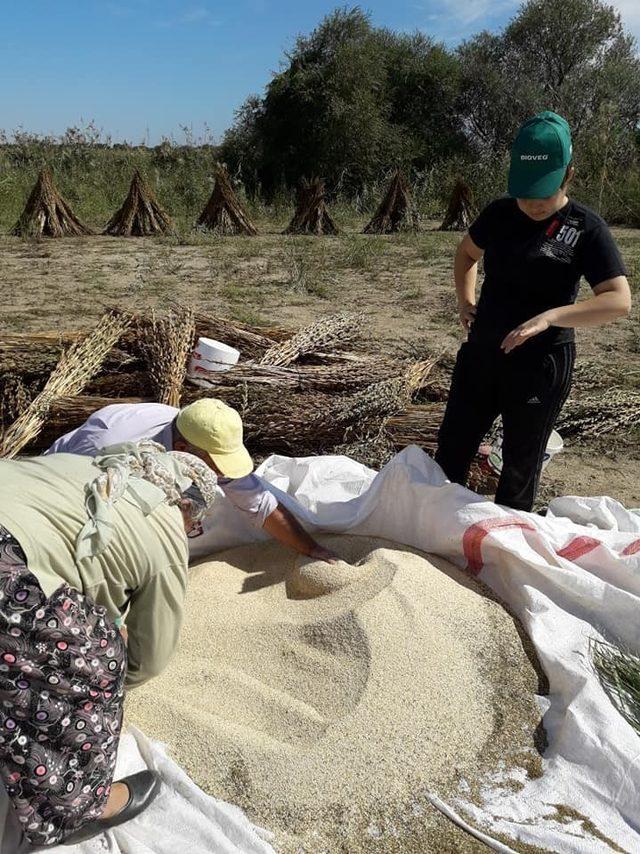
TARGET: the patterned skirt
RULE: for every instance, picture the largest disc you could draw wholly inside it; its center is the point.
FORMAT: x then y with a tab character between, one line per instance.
62	670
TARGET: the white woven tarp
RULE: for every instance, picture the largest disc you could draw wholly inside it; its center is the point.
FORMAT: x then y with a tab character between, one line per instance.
571	576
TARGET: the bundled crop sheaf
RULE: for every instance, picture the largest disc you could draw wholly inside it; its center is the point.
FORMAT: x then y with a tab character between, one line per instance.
333	332
396	210
167	343
77	366
223	213
141	213
597	413
47	214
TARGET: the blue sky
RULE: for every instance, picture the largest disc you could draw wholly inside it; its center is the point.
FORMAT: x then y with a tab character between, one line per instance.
142	68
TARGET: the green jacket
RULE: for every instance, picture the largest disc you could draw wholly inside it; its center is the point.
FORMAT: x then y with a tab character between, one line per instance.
143	569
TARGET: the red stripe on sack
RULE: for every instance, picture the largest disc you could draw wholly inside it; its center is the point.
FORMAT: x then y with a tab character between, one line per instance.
475	534
632	548
577	547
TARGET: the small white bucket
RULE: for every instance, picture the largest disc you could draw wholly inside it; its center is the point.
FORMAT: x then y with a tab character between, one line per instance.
554	446
210	356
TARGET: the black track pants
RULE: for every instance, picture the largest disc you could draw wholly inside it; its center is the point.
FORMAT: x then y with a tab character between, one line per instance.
528	390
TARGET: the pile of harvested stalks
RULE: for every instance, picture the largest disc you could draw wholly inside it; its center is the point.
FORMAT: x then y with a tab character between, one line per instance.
47	214
460	212
396	210
223	214
311	215
141	213
596	414
297	394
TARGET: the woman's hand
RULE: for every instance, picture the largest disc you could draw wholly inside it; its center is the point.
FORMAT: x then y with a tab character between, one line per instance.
467	312
320	553
525	331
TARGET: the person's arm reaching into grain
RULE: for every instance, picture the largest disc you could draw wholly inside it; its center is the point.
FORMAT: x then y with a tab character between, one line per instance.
283	526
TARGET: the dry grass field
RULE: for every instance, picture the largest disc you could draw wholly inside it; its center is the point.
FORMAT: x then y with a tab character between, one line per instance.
401	285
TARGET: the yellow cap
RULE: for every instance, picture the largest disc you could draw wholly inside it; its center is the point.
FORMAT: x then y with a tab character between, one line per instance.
216	428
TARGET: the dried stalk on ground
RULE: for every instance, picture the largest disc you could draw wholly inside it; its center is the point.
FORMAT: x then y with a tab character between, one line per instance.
311	215
47	214
223	213
460	212
167	343
416	425
141	213
76	367
337	330
334	378
592	415
396	210
376	402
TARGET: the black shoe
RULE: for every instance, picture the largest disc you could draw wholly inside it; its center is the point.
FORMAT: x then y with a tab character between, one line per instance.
143	788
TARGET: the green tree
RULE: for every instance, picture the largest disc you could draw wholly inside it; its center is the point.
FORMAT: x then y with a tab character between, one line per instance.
352	101
573	57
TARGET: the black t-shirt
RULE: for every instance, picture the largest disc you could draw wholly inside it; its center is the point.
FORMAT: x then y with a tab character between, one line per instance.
530	267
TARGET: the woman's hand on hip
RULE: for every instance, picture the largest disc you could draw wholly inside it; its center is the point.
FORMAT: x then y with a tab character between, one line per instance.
524	332
467	312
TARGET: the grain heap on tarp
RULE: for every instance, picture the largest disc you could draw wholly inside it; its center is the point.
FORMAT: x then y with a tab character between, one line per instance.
328	701
47	214
141	214
460	213
396	210
311	215
223	213
312	391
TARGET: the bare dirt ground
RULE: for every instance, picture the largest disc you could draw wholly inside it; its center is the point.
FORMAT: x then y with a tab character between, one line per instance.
401	285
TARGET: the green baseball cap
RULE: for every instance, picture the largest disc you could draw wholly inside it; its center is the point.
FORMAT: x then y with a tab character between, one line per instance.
539	157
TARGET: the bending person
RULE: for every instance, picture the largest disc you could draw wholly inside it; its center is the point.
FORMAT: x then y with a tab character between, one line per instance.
83	542
519	356
211	430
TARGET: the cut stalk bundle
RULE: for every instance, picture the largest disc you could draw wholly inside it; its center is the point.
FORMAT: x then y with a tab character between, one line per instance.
416	425
337	330
76	367
223	213
167	343
374	403
14	398
596	414
341	378
140	214
396	210
460	212
311	215
47	214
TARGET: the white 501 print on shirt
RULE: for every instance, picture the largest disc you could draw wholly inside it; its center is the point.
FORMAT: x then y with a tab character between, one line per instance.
561	238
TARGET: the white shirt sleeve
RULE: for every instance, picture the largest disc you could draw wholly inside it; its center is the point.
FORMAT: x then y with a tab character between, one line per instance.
249	495
120	422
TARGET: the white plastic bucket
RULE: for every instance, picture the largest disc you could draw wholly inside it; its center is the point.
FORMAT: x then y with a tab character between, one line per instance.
210	356
554	446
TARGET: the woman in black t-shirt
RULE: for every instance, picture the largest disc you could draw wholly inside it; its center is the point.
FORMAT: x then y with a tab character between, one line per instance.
519	356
